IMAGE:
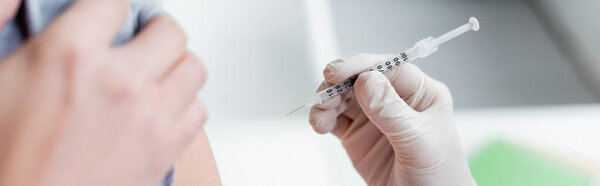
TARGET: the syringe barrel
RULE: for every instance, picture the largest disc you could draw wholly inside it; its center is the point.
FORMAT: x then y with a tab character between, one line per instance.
348	84
421	49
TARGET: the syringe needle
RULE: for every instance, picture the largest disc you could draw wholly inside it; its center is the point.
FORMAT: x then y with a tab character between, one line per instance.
295	110
421	49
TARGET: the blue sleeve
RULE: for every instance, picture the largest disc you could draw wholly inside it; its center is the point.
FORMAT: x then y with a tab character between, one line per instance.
34	15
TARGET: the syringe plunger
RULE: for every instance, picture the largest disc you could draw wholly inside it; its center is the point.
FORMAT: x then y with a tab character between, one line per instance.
423	48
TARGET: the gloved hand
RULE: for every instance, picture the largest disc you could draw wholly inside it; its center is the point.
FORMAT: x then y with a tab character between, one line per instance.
397	128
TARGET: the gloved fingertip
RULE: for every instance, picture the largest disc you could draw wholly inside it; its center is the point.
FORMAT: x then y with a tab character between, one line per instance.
320	130
370	88
407	79
319	126
369	79
377	97
322	121
330	72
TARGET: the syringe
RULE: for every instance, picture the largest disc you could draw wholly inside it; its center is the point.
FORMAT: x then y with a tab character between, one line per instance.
422	49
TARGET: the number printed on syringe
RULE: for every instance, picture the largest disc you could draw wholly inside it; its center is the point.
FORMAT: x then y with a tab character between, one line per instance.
384	67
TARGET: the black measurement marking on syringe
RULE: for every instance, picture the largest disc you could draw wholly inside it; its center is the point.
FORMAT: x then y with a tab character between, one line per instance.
404	56
329	92
349	83
353	79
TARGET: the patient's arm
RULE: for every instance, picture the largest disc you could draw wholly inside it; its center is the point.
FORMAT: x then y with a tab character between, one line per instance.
197	165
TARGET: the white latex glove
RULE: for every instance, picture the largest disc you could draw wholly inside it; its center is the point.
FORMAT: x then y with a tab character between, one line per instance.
397	128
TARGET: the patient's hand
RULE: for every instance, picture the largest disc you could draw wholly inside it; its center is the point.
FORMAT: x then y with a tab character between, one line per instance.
74	111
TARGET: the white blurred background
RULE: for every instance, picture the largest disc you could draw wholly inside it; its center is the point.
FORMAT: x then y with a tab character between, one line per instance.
531	74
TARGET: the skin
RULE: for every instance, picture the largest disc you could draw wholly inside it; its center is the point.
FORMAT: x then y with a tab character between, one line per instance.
7	10
75	111
197	165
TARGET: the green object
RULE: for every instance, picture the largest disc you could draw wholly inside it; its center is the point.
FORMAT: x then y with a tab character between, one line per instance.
504	164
